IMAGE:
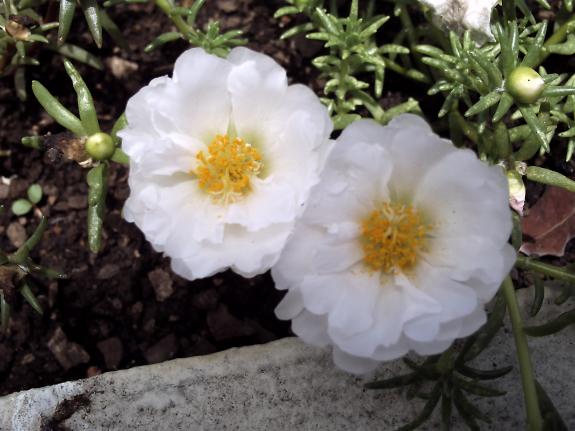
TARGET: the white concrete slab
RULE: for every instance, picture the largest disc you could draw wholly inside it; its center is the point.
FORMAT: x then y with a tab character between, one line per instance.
284	385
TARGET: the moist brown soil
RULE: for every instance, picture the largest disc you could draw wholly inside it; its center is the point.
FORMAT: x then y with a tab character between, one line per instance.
108	314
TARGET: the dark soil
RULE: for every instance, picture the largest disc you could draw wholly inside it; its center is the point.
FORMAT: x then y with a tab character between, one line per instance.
124	307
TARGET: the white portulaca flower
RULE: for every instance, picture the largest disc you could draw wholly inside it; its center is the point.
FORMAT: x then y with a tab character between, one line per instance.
223	156
402	243
460	15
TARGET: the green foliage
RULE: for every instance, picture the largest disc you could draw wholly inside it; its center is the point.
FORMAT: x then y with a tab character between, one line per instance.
352	53
22	34
98	147
184	18
96	18
17	274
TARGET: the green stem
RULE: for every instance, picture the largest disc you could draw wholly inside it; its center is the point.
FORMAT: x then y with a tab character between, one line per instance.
524	262
534	421
557	37
167	7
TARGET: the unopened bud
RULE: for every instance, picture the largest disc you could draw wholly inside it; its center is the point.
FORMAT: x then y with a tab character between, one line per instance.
100	146
525	85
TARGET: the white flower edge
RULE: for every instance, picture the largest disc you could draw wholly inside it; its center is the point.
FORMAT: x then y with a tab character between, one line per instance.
333	300
172	119
461	15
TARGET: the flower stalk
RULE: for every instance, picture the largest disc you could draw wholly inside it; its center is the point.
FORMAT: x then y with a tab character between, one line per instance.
534	420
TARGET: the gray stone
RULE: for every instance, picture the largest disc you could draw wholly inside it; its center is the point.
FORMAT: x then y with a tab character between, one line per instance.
283	385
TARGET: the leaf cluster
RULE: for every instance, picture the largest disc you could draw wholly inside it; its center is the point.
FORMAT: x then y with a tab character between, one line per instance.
82	129
353	55
184	18
23	33
479	81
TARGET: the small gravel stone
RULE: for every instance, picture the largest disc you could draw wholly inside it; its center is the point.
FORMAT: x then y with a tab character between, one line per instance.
78	202
4	191
119	67
112	351
67	353
206	299
162	284
224	326
108	271
163	350
227	5
16	234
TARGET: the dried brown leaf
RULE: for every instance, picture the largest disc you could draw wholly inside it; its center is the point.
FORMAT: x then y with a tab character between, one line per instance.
550	224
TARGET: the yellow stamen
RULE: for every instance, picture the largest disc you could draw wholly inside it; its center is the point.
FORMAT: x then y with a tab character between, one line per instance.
392	237
225	172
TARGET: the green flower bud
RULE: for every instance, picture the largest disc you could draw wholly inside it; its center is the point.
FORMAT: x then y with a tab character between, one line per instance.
525	85
100	146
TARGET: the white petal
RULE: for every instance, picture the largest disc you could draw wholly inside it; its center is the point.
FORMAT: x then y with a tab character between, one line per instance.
353	364
257	85
353	313
290	306
311	328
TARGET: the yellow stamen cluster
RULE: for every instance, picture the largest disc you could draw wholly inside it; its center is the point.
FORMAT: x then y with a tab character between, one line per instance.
225	172
392	238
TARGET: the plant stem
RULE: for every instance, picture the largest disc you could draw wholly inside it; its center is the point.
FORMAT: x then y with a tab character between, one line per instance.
524	262
167	7
534	421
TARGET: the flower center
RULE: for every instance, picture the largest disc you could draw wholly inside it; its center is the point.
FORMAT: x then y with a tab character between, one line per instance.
392	238
225	172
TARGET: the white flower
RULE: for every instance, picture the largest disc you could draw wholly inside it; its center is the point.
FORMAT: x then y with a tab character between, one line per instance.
458	15
402	243
223	156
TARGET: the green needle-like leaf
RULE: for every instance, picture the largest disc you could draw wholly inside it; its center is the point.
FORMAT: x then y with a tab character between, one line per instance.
65	18
547	176
120	123
555	325
484	103
427	410
30	298
20	256
477	388
394	382
538	295
86	107
57	111
535	125
4	313
112	29
78	54
92	14
120	157
558	91
162	39
505	103
468	411
20	83
97	180
474	373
